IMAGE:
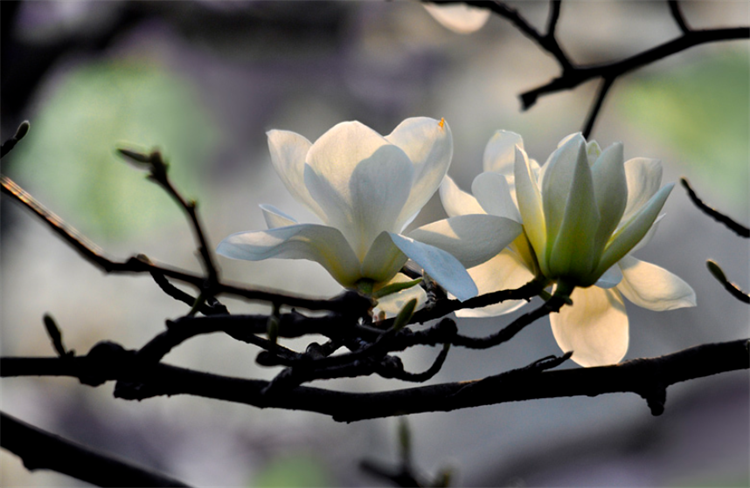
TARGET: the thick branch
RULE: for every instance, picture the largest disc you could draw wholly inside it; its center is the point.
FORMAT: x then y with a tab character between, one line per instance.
647	377
41	450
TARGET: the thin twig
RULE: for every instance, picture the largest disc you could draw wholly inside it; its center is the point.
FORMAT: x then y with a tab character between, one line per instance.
8	145
588	126
679	18
739	229
733	289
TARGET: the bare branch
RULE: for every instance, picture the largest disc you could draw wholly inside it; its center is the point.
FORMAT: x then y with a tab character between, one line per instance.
674	8
41	450
739	229
588	126
733	289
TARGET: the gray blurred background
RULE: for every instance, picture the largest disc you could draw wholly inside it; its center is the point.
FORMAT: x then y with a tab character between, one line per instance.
203	81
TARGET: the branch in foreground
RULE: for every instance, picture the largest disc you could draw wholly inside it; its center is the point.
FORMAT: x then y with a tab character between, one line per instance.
648	378
41	450
739	229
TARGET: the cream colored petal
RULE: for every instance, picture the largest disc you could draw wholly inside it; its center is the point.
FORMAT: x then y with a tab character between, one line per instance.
393	303
429	145
634	230
462	19
530	205
611	190
500	152
652	287
595	327
644	180
319	243
611	278
440	265
383	260
456	201
472	239
360	180
288	155
275	217
506	271
493	194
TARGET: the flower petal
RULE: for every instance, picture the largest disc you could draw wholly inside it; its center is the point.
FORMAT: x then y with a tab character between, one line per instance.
500	153
429	145
493	193
652	287
456	201
440	265
393	303
383	260
506	271
573	255
644	179
611	278
595	327
319	243
275	217
634	230
472	239
360	180
288	154
462	19
611	190
530	205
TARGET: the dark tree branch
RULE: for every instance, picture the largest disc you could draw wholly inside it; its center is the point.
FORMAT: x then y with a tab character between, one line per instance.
733	289
739	229
41	450
674	8
8	145
648	378
588	126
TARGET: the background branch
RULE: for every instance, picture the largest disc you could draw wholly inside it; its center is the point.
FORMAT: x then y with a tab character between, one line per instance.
739	229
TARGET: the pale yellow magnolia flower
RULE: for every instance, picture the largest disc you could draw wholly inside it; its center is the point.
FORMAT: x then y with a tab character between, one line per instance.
459	18
366	188
583	213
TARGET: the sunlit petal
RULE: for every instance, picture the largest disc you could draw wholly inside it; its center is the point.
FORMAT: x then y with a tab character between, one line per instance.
644	179
462	19
595	327
429	145
506	271
319	243
500	152
611	190
472	239
456	201
530	204
493	193
275	217
288	154
652	287
440	265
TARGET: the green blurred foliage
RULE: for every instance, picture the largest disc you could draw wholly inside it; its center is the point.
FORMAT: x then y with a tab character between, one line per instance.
291	471
69	159
702	109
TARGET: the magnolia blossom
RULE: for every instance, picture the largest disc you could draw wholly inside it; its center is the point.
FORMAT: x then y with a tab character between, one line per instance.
366	188
460	18
583	213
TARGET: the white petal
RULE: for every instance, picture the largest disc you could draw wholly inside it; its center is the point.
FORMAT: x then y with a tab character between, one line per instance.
557	182
649	235
595	327
652	287
506	271
360	180
459	18
573	254
275	217
429	145
393	303
634	230
530	204
441	266
288	154
472	239
500	153
644	180
383	260
456	201
319	243
493	193
611	190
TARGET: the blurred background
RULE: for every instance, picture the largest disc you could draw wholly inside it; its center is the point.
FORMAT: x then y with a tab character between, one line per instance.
204	80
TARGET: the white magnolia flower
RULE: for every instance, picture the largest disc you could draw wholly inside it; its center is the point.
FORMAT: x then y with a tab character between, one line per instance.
366	188
583	213
463	19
